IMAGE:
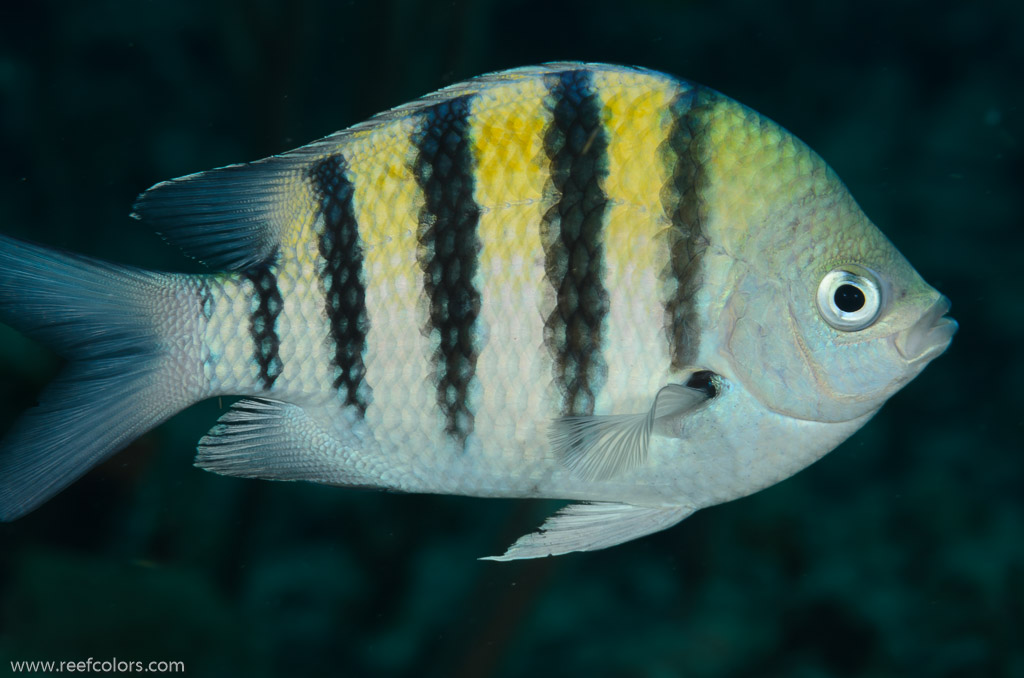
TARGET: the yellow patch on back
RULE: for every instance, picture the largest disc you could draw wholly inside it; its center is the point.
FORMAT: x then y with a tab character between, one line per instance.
742	161
637	120
508	144
755	169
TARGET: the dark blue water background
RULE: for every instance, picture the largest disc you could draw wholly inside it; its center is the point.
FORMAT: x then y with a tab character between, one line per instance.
900	554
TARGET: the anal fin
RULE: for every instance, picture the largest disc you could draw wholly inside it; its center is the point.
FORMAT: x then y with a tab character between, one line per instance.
593	526
259	438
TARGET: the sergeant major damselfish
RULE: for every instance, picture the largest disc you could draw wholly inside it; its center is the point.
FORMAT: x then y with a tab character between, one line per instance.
574	281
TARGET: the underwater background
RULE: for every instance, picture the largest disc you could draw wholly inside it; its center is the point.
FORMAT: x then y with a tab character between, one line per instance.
899	554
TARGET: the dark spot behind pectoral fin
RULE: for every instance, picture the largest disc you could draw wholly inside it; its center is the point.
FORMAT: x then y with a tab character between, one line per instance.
599	447
589	527
704	381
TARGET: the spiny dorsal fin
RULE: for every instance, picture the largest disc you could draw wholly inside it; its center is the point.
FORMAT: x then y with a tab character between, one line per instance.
589	527
599	447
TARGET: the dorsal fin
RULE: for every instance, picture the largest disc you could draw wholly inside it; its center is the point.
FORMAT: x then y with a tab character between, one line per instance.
230	217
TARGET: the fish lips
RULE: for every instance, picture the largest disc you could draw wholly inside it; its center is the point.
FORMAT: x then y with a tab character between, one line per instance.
929	336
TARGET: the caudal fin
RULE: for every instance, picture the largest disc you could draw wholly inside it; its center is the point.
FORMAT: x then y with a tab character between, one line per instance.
108	321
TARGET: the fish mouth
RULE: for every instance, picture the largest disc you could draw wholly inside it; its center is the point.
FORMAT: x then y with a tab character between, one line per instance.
929	336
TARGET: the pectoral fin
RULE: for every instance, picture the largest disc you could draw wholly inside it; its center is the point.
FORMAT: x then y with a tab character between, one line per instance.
598	447
593	526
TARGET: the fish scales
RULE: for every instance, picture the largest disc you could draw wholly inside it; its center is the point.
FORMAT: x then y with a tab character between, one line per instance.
393	230
576	281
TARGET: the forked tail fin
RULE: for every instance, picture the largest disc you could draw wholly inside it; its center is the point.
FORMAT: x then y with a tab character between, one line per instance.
109	321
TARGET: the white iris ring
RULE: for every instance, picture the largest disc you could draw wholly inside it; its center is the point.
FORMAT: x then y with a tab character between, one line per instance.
849	321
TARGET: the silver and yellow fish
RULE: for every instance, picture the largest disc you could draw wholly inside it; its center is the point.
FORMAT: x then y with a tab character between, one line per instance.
573	281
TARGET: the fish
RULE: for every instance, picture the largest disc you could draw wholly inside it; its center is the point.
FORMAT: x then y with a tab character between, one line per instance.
594	283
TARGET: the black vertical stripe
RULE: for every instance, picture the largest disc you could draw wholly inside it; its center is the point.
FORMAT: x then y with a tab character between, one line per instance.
448	252
267	306
683	201
571	232
342	278
205	296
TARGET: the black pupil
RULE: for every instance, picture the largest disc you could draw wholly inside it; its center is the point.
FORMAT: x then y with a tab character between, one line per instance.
849	298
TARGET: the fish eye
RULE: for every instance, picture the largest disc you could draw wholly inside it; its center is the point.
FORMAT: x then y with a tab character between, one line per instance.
849	300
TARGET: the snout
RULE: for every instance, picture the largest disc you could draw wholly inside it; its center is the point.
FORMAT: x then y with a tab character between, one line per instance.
929	336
